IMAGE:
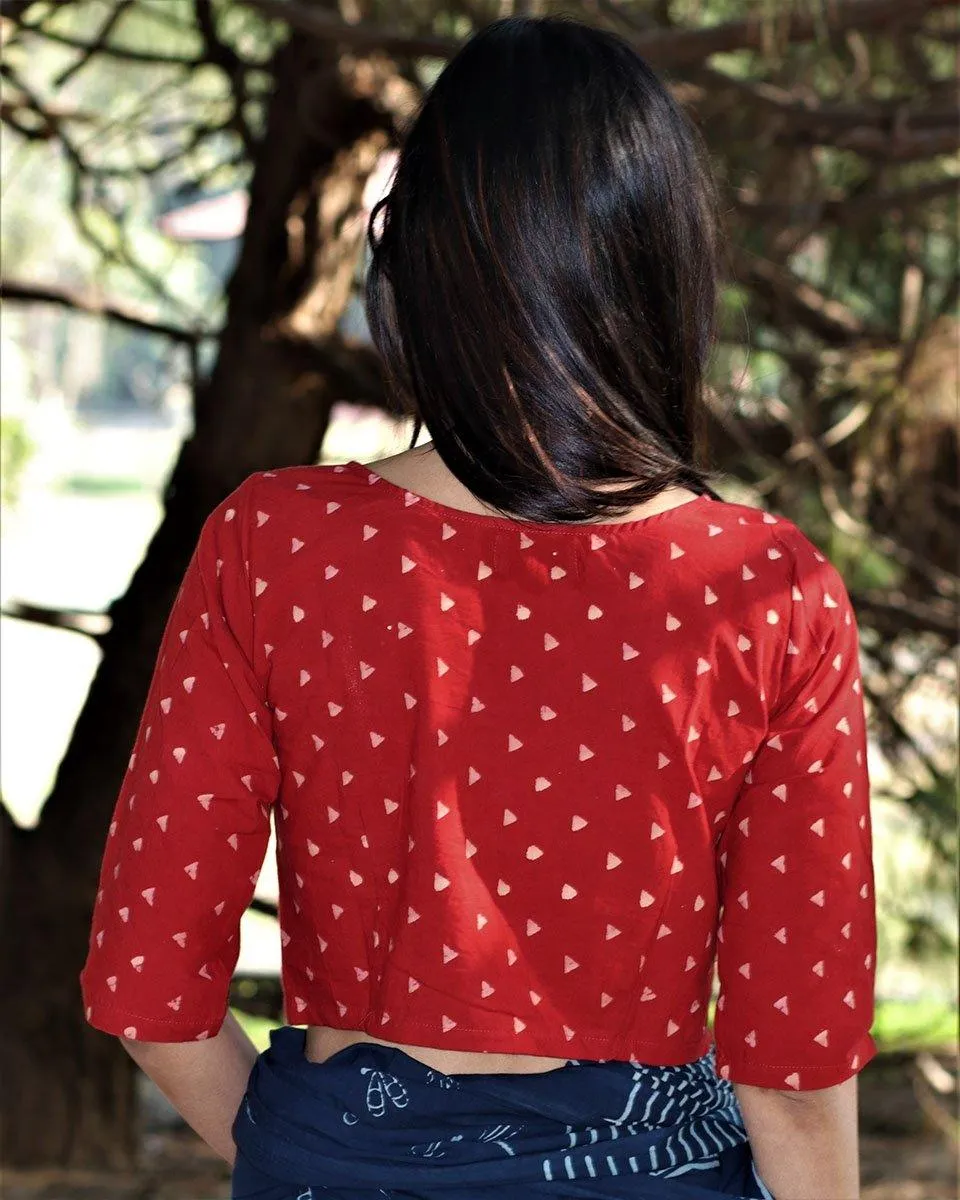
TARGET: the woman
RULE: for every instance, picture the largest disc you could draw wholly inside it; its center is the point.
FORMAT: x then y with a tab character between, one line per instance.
545	725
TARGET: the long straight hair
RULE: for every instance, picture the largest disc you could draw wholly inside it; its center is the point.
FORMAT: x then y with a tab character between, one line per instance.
543	280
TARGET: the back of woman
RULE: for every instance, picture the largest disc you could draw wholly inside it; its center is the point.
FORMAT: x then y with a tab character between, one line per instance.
548	729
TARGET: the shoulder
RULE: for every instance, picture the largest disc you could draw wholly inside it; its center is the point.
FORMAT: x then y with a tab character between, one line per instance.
751	531
285	488
276	519
817	581
773	551
802	558
267	500
822	613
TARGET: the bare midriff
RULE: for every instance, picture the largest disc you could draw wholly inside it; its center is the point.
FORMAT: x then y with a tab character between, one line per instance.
322	1042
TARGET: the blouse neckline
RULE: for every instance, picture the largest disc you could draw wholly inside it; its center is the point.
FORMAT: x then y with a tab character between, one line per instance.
449	513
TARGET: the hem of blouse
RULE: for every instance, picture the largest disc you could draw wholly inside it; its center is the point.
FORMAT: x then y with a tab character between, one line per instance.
773	1075
116	1021
614	1048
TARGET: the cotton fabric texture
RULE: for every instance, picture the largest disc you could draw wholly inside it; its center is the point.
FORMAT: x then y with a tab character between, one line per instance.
531	783
372	1122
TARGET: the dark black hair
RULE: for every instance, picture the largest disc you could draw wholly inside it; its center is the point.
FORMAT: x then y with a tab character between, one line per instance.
543	280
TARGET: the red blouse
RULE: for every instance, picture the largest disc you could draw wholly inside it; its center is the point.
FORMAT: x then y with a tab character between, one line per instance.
529	781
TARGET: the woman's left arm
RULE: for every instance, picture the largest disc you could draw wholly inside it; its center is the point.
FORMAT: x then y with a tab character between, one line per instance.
204	1081
189	833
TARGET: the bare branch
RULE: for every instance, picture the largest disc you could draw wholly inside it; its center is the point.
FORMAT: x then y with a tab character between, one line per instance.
232	65
784	292
837	211
893	612
125	53
354	368
49	118
894	116
327	24
944	585
950	37
678	46
91	624
628	19
120	255
672	47
900	145
898	130
15	290
95	46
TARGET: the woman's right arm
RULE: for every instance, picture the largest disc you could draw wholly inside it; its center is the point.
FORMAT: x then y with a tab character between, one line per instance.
805	1144
797	938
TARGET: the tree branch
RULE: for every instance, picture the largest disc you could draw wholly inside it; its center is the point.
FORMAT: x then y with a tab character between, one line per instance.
91	624
899	130
12	110
893	612
837	211
325	24
784	292
678	46
95	46
227	59
894	117
354	369
17	291
664	48
80	171
897	145
125	53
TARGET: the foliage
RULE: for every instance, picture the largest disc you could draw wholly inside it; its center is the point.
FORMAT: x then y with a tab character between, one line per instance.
16	450
833	130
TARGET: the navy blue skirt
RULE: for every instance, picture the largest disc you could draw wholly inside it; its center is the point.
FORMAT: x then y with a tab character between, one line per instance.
372	1122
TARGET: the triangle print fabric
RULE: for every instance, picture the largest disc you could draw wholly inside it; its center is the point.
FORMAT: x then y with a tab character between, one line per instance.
531	784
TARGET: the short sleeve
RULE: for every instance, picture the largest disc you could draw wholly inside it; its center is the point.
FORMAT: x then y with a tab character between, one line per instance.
191	823
797	939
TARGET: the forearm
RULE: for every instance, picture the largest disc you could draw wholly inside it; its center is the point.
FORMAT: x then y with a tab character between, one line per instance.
204	1081
805	1145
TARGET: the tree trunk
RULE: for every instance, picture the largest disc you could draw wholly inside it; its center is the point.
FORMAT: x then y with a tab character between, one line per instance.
67	1096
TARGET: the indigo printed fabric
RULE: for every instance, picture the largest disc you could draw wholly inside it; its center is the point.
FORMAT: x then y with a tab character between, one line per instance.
372	1122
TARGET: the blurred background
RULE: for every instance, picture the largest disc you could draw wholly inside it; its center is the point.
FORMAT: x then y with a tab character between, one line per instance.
185	186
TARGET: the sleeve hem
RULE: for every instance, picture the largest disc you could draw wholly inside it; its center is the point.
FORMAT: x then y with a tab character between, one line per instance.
137	1027
789	1077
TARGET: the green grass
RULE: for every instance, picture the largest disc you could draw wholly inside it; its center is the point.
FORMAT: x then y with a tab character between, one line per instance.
257	1029
96	485
909	1024
899	1025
